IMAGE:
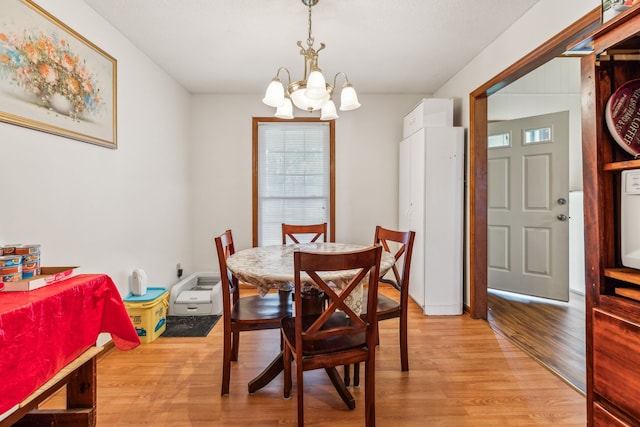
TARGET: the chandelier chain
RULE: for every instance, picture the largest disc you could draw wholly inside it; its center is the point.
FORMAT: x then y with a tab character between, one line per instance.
310	37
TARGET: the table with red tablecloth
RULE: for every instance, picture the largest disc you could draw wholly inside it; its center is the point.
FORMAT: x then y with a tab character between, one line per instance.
43	330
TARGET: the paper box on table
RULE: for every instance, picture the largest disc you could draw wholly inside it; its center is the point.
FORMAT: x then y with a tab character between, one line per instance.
47	276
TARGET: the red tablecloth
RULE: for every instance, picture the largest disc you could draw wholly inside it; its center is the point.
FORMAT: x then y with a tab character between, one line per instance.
43	330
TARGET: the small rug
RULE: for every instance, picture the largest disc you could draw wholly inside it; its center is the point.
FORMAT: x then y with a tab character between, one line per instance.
190	326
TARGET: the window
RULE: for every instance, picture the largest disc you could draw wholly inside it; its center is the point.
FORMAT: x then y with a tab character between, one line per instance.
499	140
293	180
537	136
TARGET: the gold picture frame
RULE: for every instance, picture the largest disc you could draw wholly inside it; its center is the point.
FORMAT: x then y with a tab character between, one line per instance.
54	80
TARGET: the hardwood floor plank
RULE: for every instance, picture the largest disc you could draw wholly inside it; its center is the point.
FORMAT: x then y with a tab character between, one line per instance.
462	373
551	332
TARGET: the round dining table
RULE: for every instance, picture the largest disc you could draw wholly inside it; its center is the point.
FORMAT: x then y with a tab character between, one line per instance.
271	267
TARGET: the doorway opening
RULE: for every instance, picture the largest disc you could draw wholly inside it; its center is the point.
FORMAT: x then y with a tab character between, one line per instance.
478	135
478	162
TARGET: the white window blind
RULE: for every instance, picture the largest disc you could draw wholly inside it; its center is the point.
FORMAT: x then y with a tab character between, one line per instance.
293	177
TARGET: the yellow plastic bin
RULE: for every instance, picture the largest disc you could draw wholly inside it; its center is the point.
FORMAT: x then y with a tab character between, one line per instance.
148	313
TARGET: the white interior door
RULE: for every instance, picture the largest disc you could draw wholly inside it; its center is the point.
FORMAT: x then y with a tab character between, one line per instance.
528	206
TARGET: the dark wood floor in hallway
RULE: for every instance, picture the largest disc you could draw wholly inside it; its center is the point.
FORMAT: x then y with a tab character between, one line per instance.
552	332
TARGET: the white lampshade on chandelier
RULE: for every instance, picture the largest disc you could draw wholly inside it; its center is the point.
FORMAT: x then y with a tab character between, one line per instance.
312	92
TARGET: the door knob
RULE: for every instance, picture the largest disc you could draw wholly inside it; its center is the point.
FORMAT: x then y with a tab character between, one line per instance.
562	217
562	201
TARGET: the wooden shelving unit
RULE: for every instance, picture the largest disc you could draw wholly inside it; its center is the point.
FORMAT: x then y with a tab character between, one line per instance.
620	166
630	275
613	291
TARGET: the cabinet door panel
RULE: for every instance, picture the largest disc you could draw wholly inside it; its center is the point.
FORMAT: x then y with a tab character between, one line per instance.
602	417
616	361
411	206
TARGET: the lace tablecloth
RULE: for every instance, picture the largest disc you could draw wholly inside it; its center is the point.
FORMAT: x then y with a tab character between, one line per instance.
271	267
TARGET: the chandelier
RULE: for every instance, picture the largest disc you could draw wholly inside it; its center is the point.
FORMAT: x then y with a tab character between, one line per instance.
312	92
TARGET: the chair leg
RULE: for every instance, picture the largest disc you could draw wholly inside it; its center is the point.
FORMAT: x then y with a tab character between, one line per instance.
404	349
286	359
235	345
370	393
226	363
300	392
356	374
347	375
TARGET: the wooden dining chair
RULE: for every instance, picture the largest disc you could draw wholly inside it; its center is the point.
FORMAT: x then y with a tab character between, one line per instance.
292	232
389	308
337	335
249	313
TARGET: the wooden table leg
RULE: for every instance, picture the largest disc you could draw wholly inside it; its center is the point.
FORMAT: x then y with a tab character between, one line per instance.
312	301
80	378
268	374
338	383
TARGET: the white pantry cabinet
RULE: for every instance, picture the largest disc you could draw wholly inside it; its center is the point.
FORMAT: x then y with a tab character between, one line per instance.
431	204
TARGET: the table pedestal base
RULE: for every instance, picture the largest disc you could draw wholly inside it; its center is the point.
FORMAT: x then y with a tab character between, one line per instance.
341	388
270	372
312	302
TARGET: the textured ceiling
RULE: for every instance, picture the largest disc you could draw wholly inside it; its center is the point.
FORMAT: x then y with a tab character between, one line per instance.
384	46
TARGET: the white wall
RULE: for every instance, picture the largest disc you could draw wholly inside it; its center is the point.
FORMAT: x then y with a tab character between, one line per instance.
576	242
543	21
366	168
107	211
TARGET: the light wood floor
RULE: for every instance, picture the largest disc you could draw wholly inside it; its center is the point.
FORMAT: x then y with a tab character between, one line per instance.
462	374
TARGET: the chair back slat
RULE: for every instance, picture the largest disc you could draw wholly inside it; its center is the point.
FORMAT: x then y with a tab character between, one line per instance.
292	232
402	255
337	317
225	248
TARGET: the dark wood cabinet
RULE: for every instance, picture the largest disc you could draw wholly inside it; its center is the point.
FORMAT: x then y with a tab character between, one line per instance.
612	290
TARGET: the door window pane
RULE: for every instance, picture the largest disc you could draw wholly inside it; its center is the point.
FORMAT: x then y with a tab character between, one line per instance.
537	136
499	140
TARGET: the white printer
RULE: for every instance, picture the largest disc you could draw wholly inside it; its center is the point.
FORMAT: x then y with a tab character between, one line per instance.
198	294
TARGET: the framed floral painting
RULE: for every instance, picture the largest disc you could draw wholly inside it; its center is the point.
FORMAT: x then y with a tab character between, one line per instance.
52	79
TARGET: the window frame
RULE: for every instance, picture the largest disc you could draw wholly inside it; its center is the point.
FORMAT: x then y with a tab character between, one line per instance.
255	165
